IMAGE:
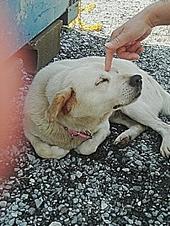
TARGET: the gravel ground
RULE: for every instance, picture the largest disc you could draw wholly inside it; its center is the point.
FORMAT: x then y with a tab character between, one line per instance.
115	187
113	13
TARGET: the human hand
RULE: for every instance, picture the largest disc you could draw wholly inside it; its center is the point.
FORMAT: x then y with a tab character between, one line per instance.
126	40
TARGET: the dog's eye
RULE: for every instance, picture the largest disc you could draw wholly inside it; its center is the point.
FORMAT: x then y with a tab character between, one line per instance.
101	80
117	106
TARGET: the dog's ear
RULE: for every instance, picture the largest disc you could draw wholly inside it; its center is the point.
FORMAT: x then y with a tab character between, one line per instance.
62	102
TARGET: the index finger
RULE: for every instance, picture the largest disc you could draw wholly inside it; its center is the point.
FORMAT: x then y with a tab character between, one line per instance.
108	59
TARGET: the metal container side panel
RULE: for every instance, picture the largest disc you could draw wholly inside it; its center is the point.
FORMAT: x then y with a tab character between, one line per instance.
22	20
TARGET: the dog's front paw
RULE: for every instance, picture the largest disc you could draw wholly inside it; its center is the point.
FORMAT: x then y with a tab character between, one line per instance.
86	149
46	151
58	153
165	147
123	139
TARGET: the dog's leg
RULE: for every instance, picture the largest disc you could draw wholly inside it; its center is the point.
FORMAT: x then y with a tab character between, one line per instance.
144	115
134	130
166	102
90	146
45	150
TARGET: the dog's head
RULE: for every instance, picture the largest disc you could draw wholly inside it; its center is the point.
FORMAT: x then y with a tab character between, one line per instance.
90	91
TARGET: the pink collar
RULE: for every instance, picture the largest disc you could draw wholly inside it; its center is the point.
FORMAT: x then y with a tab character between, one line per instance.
84	135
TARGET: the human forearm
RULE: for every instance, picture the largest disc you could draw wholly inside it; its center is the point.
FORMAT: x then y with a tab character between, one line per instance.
159	13
126	39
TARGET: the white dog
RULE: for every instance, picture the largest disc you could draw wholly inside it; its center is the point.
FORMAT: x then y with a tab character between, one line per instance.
69	104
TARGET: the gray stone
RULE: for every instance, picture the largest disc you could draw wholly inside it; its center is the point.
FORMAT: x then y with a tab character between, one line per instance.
75	200
55	223
138	223
138	162
11	222
7	194
139	178
103	205
50	208
74	220
32	210
14	214
144	147
155	213
78	174
129	154
14	207
31	157
139	203
38	202
160	218
71	214
24	196
23	224
3	204
148	215
73	177
32	181
106	215
125	188
137	188
151	192
126	169
64	210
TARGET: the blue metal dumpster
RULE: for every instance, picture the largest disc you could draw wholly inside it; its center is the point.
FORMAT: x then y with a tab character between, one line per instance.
22	20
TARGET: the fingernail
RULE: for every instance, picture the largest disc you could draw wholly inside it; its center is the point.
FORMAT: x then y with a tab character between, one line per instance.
107	70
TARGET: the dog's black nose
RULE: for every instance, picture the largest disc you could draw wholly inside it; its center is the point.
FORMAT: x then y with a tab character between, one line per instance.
135	80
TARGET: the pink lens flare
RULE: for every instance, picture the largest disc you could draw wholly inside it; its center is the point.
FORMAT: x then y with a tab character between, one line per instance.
10	81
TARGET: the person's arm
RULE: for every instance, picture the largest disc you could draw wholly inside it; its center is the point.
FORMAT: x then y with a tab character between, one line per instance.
159	13
126	40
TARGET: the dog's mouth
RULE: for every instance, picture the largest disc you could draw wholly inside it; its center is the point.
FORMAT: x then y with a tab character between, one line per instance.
137	94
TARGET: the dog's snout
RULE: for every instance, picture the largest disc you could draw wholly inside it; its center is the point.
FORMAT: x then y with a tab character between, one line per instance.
135	80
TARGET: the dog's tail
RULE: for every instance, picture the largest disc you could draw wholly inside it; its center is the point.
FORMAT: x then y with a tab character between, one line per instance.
166	102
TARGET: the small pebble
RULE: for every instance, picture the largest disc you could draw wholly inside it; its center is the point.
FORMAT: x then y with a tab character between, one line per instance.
3	204
55	223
